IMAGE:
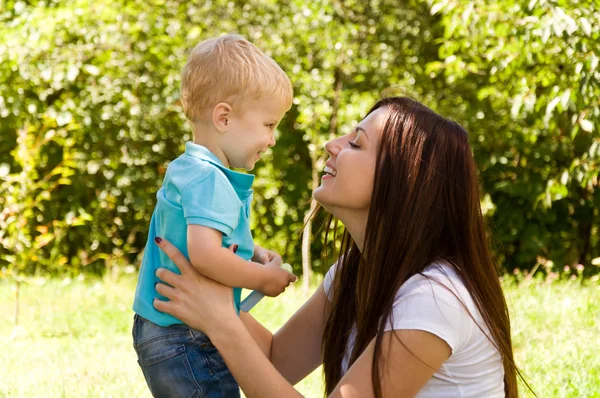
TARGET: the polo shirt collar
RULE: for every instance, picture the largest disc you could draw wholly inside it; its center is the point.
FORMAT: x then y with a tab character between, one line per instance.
240	181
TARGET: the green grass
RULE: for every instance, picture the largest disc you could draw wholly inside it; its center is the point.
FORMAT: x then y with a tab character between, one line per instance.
74	339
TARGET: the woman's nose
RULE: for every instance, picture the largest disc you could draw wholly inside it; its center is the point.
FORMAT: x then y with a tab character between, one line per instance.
331	147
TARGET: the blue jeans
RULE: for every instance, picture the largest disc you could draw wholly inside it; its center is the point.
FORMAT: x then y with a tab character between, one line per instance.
178	361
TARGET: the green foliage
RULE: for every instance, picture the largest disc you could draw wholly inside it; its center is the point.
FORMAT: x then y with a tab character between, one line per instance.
526	80
25	229
75	337
100	81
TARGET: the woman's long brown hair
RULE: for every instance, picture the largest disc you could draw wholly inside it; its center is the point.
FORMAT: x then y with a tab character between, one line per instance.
424	208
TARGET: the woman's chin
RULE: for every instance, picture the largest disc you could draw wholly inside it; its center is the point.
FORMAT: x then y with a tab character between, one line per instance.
321	198
318	195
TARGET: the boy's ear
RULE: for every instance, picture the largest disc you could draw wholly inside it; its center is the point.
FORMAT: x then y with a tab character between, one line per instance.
221	115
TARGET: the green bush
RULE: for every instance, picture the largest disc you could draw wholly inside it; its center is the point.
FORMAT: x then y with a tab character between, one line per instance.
94	88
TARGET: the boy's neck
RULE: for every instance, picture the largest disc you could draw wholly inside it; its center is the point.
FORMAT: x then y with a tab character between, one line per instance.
203	136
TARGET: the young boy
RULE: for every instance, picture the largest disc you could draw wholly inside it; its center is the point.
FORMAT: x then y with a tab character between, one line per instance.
234	96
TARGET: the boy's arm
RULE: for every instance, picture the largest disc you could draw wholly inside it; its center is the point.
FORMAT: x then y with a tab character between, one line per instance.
221	264
263	256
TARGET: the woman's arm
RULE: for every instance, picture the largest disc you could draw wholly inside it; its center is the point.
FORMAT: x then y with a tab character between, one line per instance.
253	372
410	356
245	359
295	350
261	335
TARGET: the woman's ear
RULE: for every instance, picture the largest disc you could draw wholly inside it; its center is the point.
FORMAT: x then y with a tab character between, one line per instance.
221	115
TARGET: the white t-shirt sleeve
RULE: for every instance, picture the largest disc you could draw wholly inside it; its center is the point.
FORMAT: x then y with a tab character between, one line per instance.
328	281
433	305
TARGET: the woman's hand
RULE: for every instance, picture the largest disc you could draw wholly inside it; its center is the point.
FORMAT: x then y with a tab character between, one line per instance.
196	300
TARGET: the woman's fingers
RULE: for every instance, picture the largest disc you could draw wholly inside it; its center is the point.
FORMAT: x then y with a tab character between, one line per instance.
166	291
168	276
164	306
175	255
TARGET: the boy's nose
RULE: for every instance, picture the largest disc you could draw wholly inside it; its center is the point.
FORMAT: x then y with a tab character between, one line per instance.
272	141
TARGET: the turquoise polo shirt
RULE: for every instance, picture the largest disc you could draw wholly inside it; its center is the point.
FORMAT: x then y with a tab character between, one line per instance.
197	190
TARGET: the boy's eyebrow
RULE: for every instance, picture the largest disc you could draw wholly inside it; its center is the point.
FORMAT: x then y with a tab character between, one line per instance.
363	130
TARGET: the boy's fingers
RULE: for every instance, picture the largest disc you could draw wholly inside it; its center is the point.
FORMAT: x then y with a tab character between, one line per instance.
174	254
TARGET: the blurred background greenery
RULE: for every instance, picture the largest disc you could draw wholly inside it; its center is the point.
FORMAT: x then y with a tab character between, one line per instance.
74	338
90	116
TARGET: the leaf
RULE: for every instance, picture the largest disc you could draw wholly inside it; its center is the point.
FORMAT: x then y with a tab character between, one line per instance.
564	98
516	106
545	34
91	69
72	73
531	5
593	62
43	240
550	107
586	125
437	7
585	26
64	118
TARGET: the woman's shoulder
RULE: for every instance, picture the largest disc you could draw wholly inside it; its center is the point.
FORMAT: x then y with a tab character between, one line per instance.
437	277
440	282
438	301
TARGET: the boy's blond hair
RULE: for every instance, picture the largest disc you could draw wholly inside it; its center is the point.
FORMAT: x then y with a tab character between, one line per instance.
233	70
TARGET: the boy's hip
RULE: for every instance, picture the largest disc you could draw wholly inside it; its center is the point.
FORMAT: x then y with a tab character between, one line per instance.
146	333
179	357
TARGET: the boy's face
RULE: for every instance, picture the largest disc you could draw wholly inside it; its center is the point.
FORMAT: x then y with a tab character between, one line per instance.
250	132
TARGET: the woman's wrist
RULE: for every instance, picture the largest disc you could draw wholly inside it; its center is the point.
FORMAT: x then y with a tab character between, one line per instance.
227	331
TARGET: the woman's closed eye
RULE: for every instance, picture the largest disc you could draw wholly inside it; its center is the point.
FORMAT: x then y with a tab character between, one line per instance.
353	145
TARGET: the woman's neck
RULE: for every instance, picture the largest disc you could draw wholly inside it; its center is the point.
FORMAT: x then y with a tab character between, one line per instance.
356	225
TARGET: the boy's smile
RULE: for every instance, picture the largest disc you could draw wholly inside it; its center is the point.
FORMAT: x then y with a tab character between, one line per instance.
250	132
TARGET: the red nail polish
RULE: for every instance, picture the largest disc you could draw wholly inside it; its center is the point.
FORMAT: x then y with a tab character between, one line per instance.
235	247
158	239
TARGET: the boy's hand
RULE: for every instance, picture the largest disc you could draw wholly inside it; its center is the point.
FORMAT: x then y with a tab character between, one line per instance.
277	279
263	256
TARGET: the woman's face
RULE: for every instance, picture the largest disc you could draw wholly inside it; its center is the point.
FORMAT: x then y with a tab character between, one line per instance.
347	184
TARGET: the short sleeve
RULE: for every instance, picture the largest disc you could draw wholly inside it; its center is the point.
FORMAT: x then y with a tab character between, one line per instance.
210	201
432	305
328	281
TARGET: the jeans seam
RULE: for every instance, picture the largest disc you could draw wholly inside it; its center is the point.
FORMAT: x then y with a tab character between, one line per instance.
207	359
160	337
163	356
188	368
144	373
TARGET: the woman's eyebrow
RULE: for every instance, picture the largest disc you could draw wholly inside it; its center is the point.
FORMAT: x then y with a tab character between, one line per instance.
363	130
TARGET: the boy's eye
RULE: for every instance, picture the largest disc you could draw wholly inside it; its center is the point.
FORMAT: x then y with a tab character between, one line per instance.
271	126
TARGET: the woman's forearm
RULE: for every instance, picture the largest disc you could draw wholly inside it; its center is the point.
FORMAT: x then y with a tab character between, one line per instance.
250	367
260	334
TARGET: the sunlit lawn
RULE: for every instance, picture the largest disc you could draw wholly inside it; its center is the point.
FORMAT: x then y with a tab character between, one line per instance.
74	338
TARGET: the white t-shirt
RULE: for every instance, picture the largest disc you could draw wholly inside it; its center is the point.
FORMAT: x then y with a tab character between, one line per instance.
474	369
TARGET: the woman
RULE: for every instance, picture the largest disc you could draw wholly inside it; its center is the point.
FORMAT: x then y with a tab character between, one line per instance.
413	307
